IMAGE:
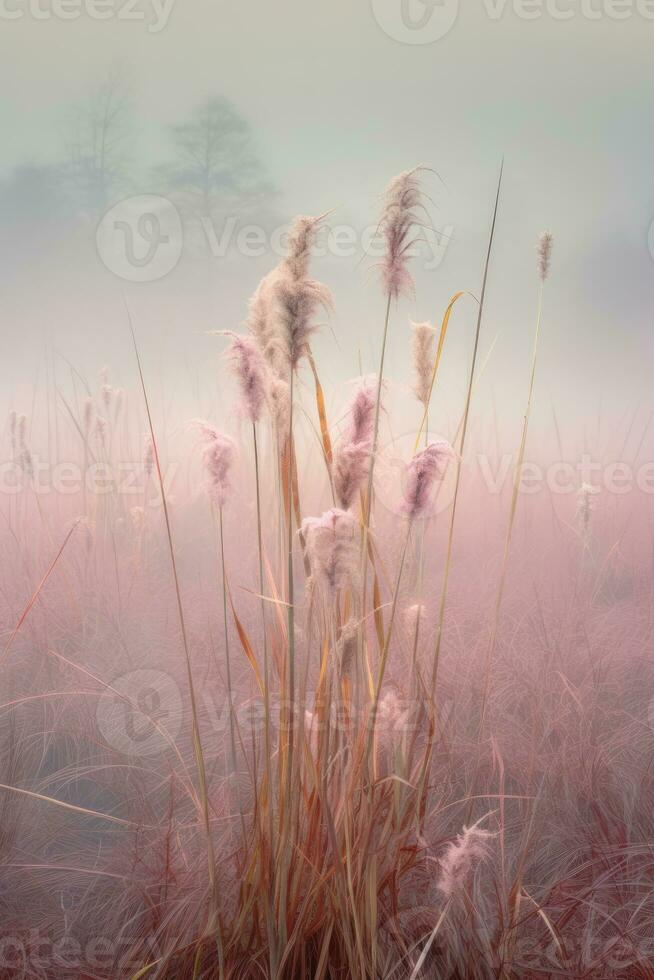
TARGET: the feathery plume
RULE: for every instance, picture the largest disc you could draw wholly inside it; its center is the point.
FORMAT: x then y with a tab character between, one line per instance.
261	323
347	646
249	368
424	470
21	429
352	457
296	302
460	859
87	414
282	309
13	418
26	462
362	412
101	430
332	547
19	435
544	249
218	455
279	402
397	223
301	239
423	337
586	506
148	455
107	394
350	470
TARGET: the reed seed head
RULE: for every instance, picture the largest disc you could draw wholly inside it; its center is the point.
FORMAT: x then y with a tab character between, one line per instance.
424	470
423	338
544	249
332	546
461	858
397	224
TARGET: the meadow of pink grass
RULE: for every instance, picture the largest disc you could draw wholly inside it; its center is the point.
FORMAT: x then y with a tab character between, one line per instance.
440	840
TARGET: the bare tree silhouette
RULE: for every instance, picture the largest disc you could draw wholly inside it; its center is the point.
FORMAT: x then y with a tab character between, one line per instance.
96	166
216	168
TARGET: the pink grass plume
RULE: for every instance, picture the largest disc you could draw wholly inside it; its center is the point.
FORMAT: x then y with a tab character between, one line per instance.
425	469
397	224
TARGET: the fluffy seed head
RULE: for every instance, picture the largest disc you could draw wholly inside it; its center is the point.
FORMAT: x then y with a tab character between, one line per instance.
261	323
301	239
423	337
544	249
285	304
87	414
101	430
460	859
352	457
347	647
295	305
148	455
586	505
107	394
26	462
249	368
398	221
332	545
218	456
21	429
424	470
279	401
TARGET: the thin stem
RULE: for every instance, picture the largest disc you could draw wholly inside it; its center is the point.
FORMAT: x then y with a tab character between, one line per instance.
214	919
464	431
387	643
371	473
228	661
517	478
266	668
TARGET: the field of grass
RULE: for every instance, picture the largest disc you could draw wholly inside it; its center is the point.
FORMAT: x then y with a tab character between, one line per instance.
310	700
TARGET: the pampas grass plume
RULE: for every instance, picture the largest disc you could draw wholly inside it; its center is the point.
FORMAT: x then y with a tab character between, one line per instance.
424	470
398	220
352	457
461	858
544	250
219	455
423	337
249	369
332	545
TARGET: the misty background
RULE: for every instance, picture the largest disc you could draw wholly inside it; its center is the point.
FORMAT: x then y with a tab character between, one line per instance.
256	112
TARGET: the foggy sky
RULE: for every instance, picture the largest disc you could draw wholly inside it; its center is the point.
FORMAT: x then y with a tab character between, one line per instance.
337	108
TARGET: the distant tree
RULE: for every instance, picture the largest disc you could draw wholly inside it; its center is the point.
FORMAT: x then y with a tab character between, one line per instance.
96	165
216	167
